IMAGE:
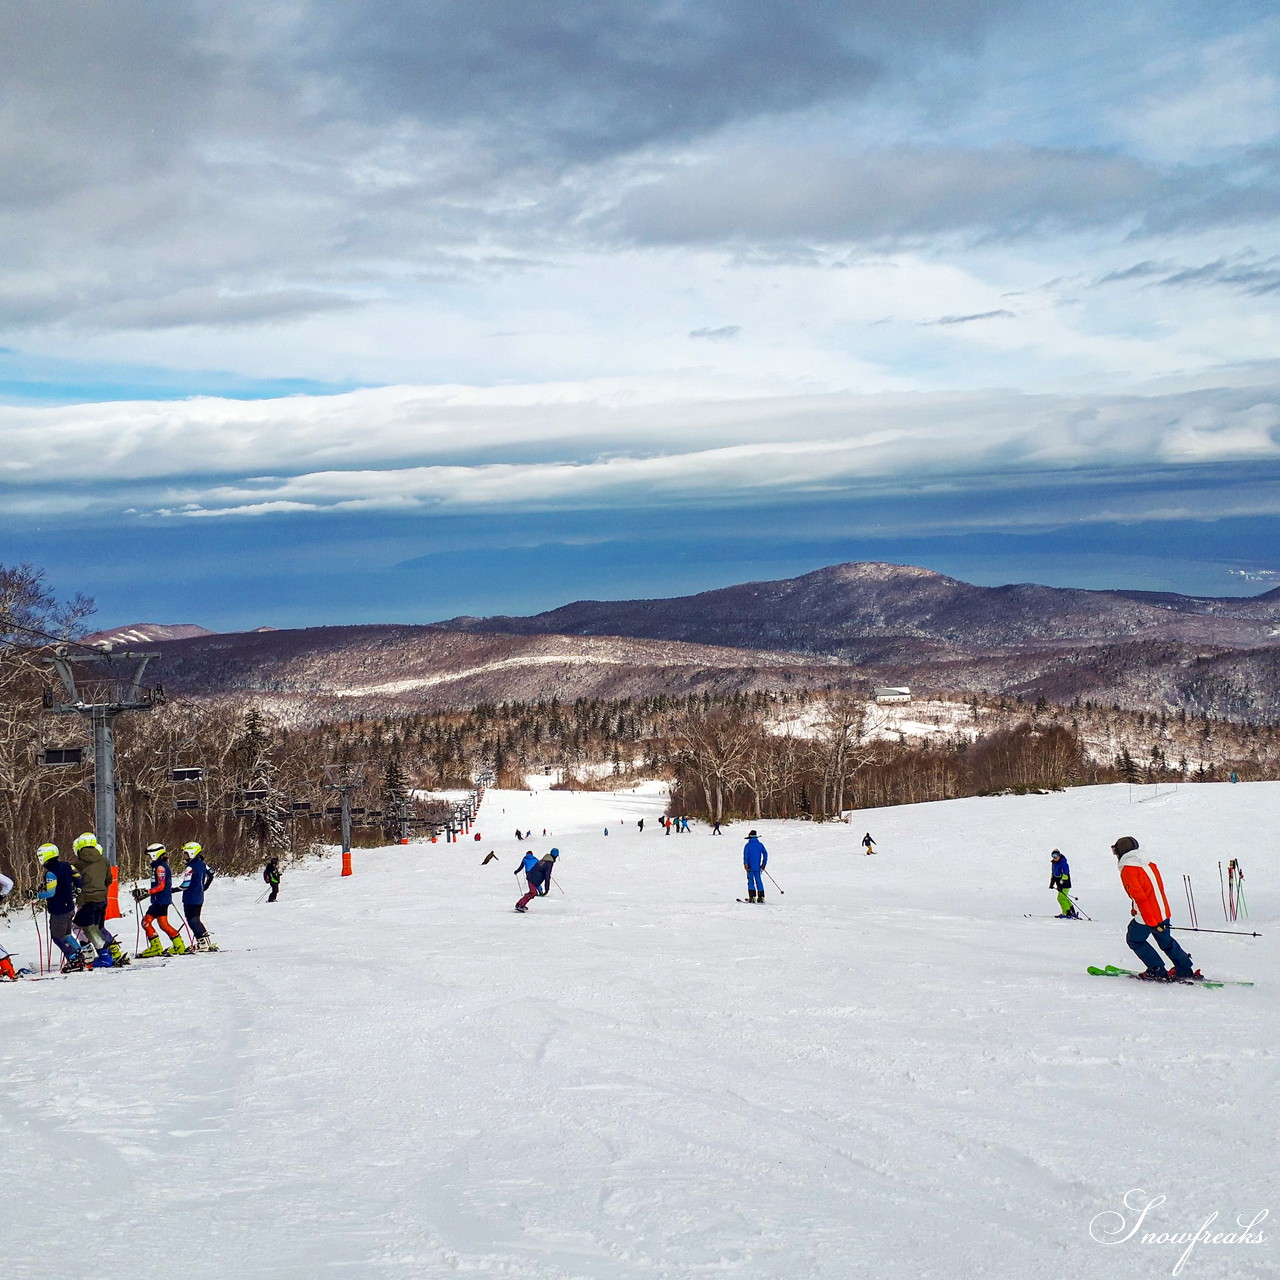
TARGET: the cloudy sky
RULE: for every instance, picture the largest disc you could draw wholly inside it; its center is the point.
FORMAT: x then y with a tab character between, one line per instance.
352	310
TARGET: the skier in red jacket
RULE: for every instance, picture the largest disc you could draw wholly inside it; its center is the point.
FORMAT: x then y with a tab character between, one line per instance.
1142	882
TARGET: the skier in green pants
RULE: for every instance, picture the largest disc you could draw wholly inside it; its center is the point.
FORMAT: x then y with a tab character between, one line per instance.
1060	879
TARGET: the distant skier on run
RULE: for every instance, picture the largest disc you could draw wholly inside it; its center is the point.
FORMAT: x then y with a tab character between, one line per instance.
271	874
1142	882
1060	881
755	857
868	844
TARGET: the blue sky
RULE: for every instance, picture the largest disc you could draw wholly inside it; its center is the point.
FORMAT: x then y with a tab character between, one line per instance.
331	312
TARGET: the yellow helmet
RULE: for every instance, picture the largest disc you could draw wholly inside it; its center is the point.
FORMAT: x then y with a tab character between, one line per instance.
85	841
193	849
47	852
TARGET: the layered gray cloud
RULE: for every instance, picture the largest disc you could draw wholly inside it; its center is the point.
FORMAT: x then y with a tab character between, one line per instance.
170	163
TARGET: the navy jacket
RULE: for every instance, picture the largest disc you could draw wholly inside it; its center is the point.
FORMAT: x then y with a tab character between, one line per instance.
161	883
196	881
60	884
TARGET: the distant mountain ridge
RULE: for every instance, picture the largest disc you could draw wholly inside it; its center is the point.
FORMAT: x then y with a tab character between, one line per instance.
875	612
847	626
147	633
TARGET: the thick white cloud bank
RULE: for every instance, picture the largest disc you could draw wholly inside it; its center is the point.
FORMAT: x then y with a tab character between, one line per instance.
577	446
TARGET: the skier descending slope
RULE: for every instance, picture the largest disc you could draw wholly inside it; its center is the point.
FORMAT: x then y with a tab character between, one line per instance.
543	872
6	965
533	877
1143	884
755	857
1060	879
161	894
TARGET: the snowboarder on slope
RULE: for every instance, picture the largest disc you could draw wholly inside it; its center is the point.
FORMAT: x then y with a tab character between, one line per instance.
868	844
195	880
161	895
1060	880
95	879
6	965
59	894
533	878
1142	882
271	874
755	857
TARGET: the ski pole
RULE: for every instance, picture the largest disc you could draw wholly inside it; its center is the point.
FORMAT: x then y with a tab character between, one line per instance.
1232	933
1223	891
35	920
1076	905
772	881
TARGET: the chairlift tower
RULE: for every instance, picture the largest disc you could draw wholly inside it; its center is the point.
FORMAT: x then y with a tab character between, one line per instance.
344	779
101	687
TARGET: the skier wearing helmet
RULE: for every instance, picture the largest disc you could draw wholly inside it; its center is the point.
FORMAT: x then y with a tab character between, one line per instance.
161	895
1150	911
59	895
195	880
91	916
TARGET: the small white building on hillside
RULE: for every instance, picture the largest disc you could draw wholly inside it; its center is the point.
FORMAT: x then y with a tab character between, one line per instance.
893	693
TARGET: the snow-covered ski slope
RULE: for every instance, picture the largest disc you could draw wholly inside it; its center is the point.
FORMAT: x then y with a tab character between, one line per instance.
888	1072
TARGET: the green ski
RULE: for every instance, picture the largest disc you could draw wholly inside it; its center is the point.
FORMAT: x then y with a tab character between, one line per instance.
1113	971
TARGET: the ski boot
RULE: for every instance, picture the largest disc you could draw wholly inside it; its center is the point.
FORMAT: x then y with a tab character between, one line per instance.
103	961
206	943
751	895
119	955
760	896
178	948
1153	975
73	964
153	948
522	910
1194	976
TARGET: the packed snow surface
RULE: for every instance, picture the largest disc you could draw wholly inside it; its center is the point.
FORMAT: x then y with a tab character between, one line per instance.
889	1072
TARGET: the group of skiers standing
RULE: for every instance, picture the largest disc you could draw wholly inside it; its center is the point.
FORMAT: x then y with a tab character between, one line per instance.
75	893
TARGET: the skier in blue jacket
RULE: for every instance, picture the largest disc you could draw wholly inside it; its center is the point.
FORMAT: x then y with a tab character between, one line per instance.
1060	881
59	895
755	857
533	877
195	881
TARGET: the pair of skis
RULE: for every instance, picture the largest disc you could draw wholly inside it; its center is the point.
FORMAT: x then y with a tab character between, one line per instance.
1112	971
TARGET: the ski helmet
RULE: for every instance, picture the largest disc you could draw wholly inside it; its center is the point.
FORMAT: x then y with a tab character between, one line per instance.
193	849
555	853
47	852
85	841
1126	844
155	851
